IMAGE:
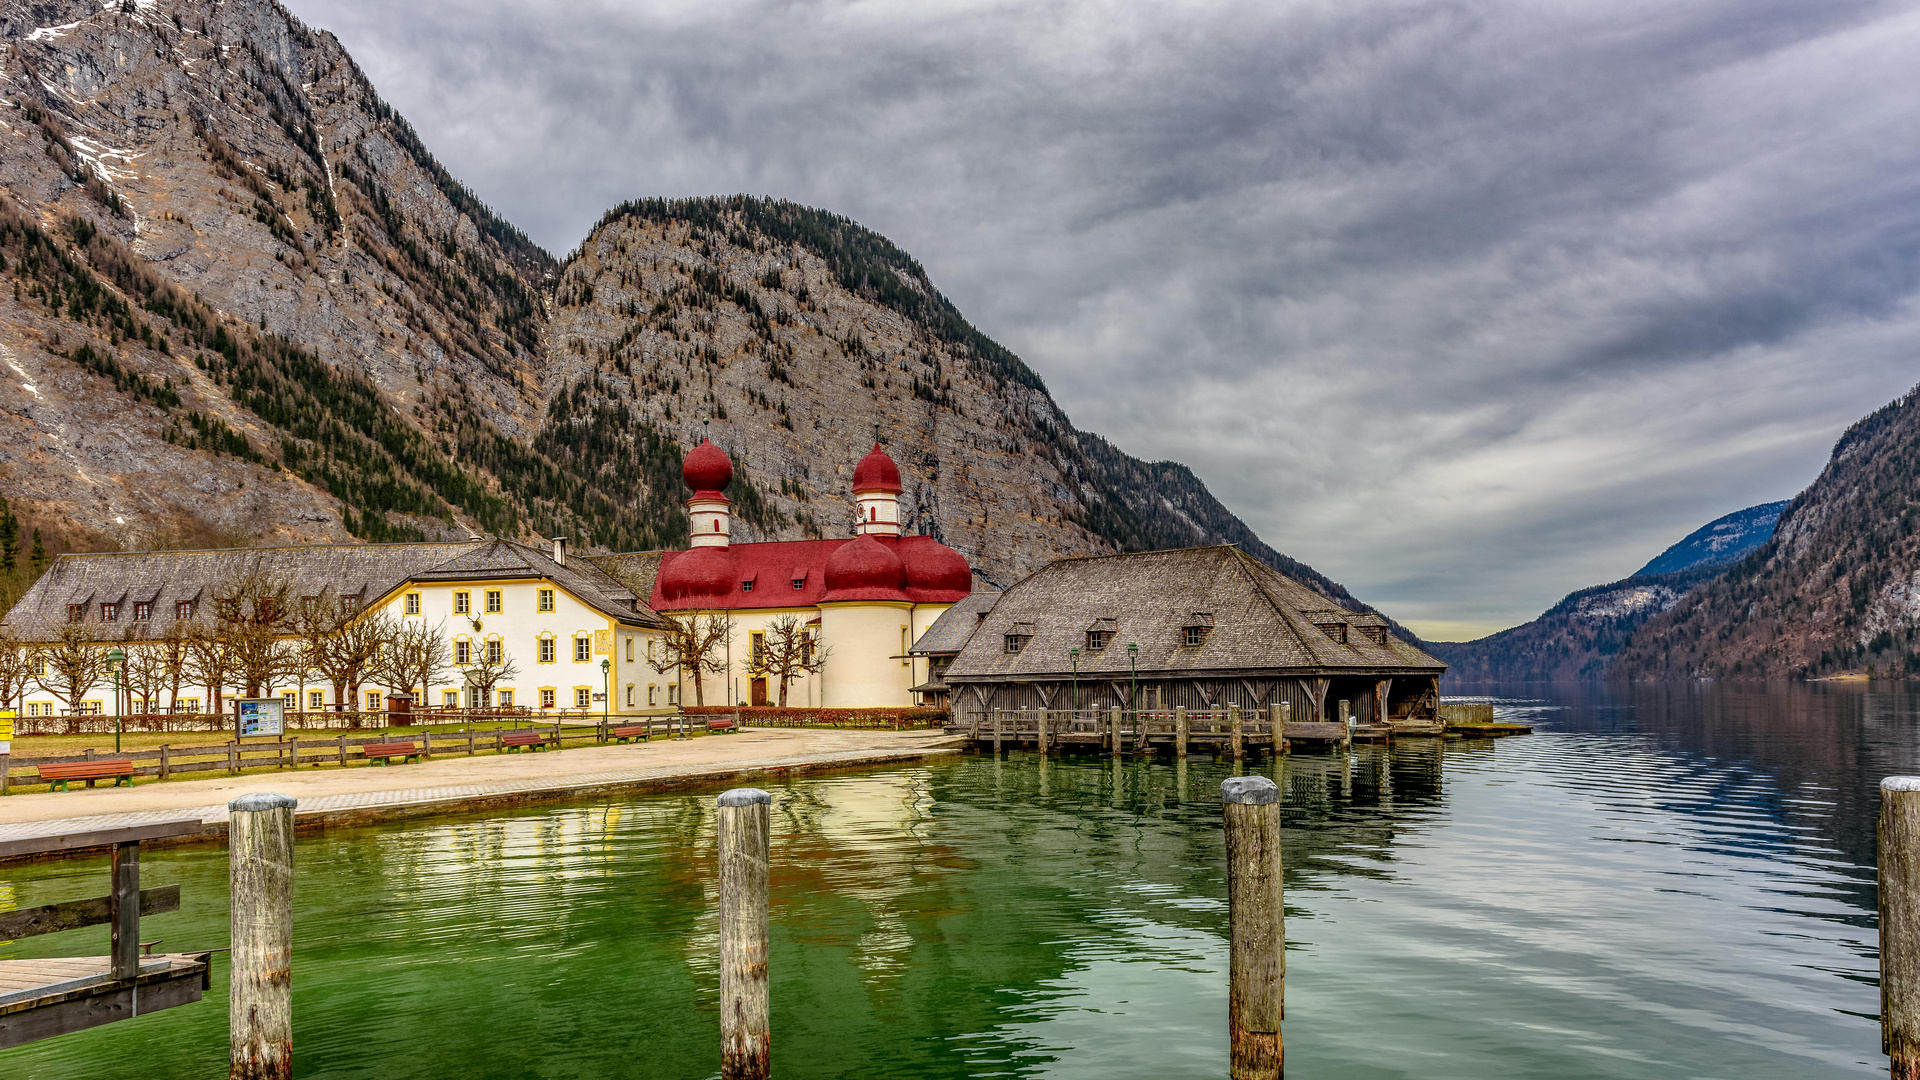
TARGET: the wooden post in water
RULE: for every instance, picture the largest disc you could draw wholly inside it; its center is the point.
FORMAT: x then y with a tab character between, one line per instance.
998	723
1278	712
1256	914
1180	732
1113	721
123	912
1900	925
260	1007
1346	724
1233	726
746	1042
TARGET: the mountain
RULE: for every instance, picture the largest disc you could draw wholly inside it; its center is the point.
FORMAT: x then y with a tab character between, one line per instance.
1719	542
1836	589
1579	637
243	302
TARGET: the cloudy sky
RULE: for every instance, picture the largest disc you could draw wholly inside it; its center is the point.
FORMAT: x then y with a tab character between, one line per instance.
1465	304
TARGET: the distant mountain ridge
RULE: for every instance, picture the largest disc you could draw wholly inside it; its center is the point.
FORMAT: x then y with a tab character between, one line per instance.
1719	542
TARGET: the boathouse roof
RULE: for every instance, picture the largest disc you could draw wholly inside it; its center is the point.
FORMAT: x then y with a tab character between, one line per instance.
955	626
1191	610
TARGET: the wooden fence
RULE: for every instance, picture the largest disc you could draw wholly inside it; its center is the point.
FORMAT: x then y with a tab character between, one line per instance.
301	719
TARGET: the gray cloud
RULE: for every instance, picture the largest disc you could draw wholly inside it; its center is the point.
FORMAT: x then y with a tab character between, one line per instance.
1465	304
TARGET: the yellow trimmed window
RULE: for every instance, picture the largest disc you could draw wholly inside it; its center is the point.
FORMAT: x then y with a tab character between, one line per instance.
546	697
411	603
546	648
463	603
546	599
493	601
582	649
316	700
582	697
463	652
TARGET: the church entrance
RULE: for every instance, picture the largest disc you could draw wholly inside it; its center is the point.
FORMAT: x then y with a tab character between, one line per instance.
759	691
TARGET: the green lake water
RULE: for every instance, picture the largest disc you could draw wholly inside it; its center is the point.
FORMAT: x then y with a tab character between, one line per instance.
1661	883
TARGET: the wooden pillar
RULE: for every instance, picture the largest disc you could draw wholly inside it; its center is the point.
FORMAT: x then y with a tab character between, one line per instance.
1277	723
293	752
1113	722
1346	723
260	1007
1233	728
745	1035
1040	730
166	763
123	911
1180	732
343	751
999	723
1256	913
1899	838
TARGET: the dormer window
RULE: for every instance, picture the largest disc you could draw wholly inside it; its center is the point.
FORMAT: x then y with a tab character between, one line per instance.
746	583
109	612
1375	634
1335	630
142	610
1018	635
1100	634
183	609
1195	628
76	612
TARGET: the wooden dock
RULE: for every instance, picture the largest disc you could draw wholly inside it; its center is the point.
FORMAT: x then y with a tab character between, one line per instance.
47	997
1212	731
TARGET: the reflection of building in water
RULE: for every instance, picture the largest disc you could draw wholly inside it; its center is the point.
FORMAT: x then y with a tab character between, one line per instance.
1200	628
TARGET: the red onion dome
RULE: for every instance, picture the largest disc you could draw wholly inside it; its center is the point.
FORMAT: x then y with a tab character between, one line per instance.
864	569
702	573
707	469
936	573
877	472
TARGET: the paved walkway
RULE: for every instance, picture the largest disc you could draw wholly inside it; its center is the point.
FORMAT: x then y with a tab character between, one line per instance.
449	783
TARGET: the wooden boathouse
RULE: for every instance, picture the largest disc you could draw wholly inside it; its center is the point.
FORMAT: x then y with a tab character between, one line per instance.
1202	634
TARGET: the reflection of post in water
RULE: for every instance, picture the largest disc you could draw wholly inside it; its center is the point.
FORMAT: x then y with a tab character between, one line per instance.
1044	758
1119	781
1180	777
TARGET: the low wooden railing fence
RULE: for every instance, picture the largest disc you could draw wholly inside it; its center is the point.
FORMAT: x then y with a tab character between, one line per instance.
302	719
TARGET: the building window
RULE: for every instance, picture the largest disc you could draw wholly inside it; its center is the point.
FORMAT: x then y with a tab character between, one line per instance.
650	650
653	694
582	649
629	648
1195	636
412	604
905	644
88	708
142	610
673	693
187	704
746	586
799	583
1098	639
316	700
463	603
546	599
493	601
183	610
474	700
373	701
757	650
582	697
493	650
290	702
506	699
76	612
1017	642
546	698
451	699
109	612
1336	631
1195	630
463	652
546	649
629	693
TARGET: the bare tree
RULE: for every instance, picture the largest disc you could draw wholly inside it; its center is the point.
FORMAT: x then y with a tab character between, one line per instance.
787	651
339	645
145	675
74	665
171	647
697	643
18	662
254	614
490	665
208	663
414	658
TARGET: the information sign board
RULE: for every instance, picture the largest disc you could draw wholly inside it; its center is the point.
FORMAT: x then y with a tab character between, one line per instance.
261	716
6	731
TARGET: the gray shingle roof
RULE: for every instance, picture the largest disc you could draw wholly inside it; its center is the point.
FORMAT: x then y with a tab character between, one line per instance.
950	632
1261	621
362	571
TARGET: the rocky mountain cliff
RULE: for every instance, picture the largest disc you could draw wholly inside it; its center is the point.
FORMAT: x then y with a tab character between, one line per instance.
241	301
1836	588
1579	637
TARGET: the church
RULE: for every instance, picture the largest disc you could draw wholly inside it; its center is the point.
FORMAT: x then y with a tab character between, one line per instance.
862	601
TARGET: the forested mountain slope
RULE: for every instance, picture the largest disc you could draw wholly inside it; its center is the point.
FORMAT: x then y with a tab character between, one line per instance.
242	301
1836	589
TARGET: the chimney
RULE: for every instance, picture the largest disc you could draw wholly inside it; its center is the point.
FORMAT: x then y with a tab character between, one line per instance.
560	550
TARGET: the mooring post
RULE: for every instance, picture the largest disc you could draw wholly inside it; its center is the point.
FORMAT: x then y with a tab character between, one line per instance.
260	1006
1256	914
1278	711
123	912
1113	721
1900	925
1346	724
1233	725
1040	734
999	722
1180	732
745	1036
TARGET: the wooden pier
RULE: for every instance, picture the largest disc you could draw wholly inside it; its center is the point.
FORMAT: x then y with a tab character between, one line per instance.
43	998
1215	731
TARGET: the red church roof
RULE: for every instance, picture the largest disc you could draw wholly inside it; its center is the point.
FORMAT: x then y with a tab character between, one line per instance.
913	569
876	472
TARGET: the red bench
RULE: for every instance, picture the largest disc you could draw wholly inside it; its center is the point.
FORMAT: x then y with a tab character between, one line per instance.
382	753
630	733
59	775
723	723
532	740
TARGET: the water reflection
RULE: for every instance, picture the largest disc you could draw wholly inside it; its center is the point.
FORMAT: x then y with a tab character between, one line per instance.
1665	882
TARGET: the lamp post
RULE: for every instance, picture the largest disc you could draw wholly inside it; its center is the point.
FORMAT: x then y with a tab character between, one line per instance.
606	686
1133	686
116	659
1074	655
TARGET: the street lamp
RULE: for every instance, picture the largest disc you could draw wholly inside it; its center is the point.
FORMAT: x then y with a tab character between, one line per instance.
1133	687
606	683
1074	655
116	659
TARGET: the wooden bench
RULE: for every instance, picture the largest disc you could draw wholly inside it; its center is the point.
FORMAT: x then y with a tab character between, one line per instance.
723	723
630	733
382	753
59	775
532	740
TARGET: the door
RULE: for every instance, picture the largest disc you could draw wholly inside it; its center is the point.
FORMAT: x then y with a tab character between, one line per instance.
759	691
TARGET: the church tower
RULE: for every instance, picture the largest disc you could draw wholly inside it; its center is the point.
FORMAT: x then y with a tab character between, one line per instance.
709	513
876	491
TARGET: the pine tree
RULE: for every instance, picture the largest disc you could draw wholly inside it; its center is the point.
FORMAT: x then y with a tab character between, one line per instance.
9	537
38	556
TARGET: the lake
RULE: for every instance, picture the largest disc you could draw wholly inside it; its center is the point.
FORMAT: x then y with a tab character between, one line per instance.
1663	882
